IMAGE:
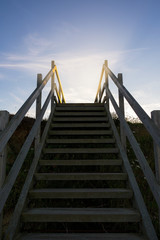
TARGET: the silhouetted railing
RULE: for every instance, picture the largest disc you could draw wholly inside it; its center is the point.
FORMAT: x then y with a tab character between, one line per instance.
55	95
104	95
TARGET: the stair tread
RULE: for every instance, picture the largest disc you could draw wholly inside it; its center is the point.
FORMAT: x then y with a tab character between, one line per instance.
80	119
80	113
81	193
81	176
80	236
82	125
81	150
81	140
81	215
80	108
80	132
84	162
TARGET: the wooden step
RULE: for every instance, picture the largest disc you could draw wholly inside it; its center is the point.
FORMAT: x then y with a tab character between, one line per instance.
81	150
81	193
80	236
80	105
80	125
80	132
80	108
84	162
80	114
80	119
81	176
80	215
79	141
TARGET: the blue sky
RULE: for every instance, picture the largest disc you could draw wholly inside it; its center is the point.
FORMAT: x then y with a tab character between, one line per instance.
79	36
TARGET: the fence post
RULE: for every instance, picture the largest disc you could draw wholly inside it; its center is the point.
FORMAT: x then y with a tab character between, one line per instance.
106	82
52	84
38	109
121	106
155	115
4	118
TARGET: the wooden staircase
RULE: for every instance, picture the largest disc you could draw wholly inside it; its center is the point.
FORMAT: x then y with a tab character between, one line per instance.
79	184
80	190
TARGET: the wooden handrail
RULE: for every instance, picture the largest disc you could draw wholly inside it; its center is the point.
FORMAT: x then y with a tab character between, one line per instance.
60	85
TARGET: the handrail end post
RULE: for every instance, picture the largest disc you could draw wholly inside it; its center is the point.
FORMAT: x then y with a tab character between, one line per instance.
4	119
155	115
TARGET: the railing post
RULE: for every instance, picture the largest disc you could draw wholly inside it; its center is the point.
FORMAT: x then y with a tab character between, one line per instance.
52	84
155	115
38	109
106	83
4	118
121	106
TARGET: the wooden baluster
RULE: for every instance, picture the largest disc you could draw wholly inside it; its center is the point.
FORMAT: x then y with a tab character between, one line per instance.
38	109
106	82
4	118
121	106
155	115
52	84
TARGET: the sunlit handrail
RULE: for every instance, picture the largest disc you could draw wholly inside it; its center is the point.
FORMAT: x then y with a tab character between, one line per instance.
60	85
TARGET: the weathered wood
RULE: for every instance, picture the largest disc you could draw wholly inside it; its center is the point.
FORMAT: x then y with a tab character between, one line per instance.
80	108
38	110
15	121
77	162
148	123
79	141
81	193
81	176
154	186
156	119
4	118
80	125
146	220
74	114
80	119
80	236
121	106
81	150
10	180
21	201
80	132
80	215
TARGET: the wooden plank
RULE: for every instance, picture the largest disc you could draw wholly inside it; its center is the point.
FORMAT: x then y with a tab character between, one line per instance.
80	108
148	227
10	232
150	126
38	110
81	150
80	215
15	121
84	162
80	236
10	180
4	118
81	193
80	132
154	186
81	176
80	119
80	125
80	105
79	141
75	114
